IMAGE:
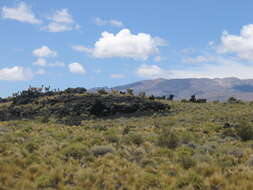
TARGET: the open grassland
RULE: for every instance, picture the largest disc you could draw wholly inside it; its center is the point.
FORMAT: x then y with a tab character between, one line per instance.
195	146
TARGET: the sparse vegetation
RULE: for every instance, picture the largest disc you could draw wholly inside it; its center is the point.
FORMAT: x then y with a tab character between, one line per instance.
193	146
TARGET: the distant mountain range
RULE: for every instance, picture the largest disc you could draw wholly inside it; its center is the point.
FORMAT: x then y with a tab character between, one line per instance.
211	89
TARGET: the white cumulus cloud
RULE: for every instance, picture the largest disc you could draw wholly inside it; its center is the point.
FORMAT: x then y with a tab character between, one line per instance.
151	71
241	45
61	21
40	62
126	45
15	73
62	16
81	48
44	51
101	22
76	68
57	27
21	13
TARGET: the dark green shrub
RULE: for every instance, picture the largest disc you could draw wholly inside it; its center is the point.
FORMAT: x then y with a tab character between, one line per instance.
98	108
99	128
244	130
127	129
193	98
168	139
28	129
77	90
31	147
233	100
130	91
45	119
229	132
102	150
102	91
142	94
73	120
171	97
187	162
75	151
112	136
135	138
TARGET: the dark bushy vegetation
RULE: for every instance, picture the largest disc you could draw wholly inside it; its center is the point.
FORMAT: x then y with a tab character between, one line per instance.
244	130
193	99
73	105
168	139
233	100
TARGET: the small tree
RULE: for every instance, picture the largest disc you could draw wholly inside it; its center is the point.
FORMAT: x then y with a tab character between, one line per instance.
171	97
244	130
193	98
130	91
114	91
233	100
102	91
142	94
152	97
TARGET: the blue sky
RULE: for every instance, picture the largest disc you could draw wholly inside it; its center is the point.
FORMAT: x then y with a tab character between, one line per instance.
108	43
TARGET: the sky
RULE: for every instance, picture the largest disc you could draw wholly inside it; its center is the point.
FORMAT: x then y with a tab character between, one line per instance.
96	43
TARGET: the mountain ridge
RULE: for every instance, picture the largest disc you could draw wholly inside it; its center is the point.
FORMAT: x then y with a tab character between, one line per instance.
211	89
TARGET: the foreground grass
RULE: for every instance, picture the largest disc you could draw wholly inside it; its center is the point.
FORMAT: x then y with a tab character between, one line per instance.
188	148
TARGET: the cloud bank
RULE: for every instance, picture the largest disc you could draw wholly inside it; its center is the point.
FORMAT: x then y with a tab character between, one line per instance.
124	45
15	73
21	13
61	21
240	45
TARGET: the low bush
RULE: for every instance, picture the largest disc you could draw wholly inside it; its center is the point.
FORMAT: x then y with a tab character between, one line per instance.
99	128
102	150
244	130
112	136
75	151
73	120
168	139
187	162
233	100
134	138
31	147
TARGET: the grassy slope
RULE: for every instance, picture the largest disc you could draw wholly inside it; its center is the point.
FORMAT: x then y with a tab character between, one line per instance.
131	153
